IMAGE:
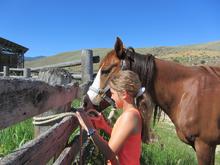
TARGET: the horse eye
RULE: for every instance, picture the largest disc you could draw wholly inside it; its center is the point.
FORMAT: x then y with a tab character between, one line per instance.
105	71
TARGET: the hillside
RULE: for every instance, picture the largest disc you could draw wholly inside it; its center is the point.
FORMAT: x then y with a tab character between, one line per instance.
33	58
206	53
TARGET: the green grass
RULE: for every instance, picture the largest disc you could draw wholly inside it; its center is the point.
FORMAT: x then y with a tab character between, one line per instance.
217	158
15	136
168	149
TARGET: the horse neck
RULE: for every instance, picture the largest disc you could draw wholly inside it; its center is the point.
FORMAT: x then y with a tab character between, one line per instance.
168	75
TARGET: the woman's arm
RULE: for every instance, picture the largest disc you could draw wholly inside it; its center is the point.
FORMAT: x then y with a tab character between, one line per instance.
126	127
99	121
105	149
98	140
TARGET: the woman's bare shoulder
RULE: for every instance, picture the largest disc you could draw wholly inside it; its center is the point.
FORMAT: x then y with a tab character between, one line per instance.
129	115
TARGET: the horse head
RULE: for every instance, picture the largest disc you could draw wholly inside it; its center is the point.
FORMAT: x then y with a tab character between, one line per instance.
87	103
110	65
120	58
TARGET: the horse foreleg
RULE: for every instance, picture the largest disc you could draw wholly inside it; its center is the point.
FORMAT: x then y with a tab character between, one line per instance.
205	153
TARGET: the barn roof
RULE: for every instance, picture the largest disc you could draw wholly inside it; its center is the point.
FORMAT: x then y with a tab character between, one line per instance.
7	46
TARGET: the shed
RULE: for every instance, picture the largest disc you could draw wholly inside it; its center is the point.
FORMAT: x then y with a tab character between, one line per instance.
11	54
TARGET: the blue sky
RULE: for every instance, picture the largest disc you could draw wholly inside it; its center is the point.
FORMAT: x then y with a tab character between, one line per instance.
49	27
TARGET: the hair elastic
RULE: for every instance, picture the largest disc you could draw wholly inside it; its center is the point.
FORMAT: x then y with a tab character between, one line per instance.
140	92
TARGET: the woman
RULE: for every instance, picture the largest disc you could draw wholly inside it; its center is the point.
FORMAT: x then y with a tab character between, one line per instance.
124	145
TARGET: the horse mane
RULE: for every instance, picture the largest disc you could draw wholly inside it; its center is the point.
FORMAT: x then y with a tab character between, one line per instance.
214	71
144	66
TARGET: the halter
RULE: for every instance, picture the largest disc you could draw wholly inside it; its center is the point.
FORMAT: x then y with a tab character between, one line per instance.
123	65
123	62
102	94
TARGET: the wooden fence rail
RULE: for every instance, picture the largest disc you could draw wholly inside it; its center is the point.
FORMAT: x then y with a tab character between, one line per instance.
64	64
21	99
44	147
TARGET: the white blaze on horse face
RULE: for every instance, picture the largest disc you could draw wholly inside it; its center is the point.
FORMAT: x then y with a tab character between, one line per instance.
93	91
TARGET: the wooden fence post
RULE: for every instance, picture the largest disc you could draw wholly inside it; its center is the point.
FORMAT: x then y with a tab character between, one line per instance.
5	71
27	72
87	65
87	69
53	76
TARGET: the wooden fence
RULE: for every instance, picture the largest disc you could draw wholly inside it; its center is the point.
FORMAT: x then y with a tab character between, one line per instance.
86	62
21	99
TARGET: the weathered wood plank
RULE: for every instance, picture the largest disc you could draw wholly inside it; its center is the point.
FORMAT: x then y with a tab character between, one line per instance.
21	99
69	153
5	71
16	69
95	59
59	65
76	76
87	65
42	149
53	76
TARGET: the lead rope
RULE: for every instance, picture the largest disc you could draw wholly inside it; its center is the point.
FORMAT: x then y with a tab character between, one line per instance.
80	144
49	119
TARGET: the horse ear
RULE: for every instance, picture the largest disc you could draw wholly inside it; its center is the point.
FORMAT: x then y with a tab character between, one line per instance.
119	48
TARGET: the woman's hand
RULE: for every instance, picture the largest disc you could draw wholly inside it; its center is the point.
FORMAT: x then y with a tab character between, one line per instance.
99	122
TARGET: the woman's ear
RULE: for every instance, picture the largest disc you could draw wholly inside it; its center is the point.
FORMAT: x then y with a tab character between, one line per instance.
119	49
125	95
122	95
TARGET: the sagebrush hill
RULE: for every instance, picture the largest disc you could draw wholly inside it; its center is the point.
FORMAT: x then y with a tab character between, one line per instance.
206	53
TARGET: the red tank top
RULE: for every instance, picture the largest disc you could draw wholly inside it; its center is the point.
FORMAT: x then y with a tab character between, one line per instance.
130	152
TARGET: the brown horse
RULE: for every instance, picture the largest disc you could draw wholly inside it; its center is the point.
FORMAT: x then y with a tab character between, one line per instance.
189	95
